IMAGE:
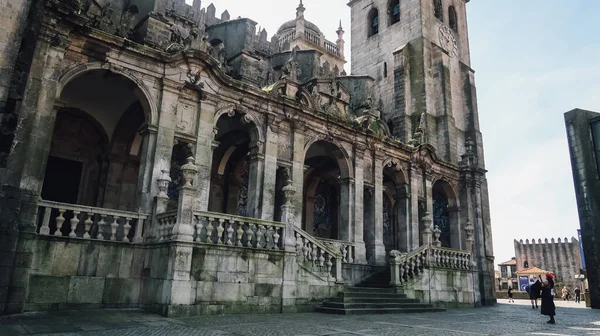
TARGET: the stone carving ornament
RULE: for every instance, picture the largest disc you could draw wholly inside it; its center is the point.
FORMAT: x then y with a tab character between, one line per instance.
448	40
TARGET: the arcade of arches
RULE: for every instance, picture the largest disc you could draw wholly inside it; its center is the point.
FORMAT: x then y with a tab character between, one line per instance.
96	155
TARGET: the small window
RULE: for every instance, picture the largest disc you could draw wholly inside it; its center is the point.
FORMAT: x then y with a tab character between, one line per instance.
452	21
373	20
505	285
384	69
526	264
394	11
596	138
437	10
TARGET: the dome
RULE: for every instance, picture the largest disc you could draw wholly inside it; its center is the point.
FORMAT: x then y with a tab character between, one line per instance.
292	25
308	26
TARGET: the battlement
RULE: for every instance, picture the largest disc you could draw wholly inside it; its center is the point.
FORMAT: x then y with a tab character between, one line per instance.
546	241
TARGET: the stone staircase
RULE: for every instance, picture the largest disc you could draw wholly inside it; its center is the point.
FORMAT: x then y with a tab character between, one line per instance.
374	296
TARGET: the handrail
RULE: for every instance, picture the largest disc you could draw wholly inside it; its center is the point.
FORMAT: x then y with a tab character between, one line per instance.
316	241
100	211
237	218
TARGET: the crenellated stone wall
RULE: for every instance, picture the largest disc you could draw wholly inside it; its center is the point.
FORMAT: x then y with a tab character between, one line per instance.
559	256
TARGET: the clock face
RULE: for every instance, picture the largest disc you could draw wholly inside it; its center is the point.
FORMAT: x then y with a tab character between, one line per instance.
447	40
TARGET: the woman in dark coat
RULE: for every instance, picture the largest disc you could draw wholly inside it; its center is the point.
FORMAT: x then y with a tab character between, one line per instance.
548	307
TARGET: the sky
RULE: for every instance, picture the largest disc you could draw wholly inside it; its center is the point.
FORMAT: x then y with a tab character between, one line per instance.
534	61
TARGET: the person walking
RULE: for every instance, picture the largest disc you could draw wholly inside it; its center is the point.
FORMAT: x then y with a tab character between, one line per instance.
534	292
577	295
510	295
548	307
565	293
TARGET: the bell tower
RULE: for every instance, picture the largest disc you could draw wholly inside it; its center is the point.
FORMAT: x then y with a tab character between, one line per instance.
418	53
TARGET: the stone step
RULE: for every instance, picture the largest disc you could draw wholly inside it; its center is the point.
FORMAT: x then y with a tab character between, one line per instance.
373	300
365	311
382	305
366	289
371	295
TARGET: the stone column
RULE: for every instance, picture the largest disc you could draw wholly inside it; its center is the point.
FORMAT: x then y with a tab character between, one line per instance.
456	229
24	174
358	230
415	180
270	169
380	257
255	181
298	154
165	137
403	224
144	199
204	152
345	208
161	202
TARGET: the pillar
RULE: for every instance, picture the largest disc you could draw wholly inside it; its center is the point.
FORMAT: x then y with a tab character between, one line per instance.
456	229
269	184
204	152
380	257
415	180
403	217
255	181
298	139
345	208
24	174
358	229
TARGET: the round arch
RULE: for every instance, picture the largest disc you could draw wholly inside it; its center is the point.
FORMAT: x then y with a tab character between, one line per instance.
247	117
445	213
337	151
394	165
142	92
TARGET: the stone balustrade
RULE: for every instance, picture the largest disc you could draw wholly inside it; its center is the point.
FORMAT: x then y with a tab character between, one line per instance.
164	225
440	257
230	230
347	249
332	48
76	221
407	266
319	256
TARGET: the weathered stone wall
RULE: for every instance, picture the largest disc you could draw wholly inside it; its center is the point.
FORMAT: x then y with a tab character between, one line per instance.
561	257
74	274
587	191
444	288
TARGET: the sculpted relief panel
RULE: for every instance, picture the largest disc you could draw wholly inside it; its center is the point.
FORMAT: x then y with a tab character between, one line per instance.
186	116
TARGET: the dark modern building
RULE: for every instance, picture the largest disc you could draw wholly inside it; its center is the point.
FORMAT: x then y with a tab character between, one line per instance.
583	132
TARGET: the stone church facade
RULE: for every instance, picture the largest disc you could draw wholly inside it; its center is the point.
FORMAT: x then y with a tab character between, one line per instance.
154	155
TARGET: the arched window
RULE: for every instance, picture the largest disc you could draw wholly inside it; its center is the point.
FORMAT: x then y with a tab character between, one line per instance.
373	20
526	264
384	69
437	9
452	21
394	11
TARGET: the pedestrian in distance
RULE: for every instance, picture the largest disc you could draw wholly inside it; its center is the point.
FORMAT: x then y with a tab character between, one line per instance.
577	295
548	307
510	295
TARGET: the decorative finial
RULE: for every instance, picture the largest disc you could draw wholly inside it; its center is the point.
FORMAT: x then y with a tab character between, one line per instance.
300	10
340	27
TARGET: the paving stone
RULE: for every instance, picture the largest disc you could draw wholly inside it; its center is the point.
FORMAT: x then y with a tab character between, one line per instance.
502	320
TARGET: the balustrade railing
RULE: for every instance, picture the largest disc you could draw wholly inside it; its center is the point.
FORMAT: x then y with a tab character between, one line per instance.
318	256
229	230
164	225
76	221
332	48
407	266
448	258
346	249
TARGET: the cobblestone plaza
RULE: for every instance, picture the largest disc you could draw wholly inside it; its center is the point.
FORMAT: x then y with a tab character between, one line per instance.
502	319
